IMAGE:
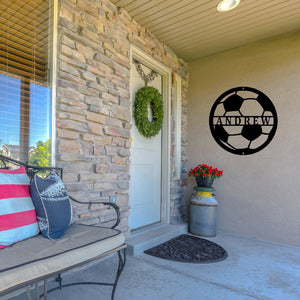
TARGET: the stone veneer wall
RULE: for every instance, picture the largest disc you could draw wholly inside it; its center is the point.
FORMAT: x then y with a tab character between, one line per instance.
94	108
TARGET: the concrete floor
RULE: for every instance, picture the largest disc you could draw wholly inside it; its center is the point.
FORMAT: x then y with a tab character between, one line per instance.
254	270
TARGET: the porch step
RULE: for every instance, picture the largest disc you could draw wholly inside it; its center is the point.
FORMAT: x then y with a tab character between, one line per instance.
153	236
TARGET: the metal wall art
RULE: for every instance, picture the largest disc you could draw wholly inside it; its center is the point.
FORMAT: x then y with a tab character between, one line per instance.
147	78
243	120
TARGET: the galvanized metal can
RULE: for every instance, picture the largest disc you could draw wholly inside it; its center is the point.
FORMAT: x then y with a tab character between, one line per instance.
203	213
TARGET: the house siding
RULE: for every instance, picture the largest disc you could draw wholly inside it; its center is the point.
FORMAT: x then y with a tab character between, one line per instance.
259	194
93	111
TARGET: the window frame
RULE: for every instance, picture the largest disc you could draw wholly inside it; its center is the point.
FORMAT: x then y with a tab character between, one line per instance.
53	76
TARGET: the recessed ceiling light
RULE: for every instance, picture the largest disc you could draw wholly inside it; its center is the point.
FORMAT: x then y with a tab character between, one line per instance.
227	5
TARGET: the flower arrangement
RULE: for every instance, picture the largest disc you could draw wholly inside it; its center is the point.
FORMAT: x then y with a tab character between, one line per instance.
205	171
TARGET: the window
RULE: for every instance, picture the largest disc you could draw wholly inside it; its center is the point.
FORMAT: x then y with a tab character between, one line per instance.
25	83
176	116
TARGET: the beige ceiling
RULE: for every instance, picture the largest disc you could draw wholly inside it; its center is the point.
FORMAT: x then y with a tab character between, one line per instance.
194	28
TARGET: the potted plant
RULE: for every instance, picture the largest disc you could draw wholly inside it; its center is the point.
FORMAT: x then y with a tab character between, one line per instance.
205	174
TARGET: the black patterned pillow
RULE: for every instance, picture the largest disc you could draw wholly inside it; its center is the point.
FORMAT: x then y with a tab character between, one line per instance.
52	204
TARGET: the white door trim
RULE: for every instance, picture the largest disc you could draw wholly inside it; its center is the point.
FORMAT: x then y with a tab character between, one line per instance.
165	72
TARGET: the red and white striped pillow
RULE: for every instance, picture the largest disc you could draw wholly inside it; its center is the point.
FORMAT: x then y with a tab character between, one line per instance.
17	214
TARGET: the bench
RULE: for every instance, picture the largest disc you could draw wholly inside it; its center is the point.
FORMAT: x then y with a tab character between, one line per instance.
36	259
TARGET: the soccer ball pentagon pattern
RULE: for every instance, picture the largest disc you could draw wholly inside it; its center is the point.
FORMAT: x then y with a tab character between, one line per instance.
243	120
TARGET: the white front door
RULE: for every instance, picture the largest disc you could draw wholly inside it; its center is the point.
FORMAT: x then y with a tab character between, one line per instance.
145	182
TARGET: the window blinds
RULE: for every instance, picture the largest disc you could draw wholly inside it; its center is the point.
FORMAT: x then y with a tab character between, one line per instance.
24	38
25	97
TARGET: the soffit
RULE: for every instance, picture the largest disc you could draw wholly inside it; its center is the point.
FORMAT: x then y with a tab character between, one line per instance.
194	28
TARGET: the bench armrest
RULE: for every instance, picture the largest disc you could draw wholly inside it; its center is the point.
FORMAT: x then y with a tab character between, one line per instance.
113	205
32	170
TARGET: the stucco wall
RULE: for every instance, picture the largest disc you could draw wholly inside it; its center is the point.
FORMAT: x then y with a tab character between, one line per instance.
94	105
259	193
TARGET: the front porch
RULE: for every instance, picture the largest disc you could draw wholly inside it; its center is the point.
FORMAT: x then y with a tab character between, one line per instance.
254	269
90	132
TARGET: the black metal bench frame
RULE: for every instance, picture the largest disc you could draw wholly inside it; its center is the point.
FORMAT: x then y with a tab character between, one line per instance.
121	251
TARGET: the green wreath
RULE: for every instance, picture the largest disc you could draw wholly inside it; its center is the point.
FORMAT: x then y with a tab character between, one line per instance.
145	96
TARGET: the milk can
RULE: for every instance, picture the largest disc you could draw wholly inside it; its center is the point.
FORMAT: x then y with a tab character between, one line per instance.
203	212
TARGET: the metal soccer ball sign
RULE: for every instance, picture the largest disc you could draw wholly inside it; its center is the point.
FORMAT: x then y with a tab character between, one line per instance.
243	120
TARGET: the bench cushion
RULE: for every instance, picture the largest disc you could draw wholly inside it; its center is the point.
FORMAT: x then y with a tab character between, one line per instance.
38	257
17	214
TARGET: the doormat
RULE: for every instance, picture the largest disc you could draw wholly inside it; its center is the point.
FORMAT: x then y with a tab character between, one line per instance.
189	249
